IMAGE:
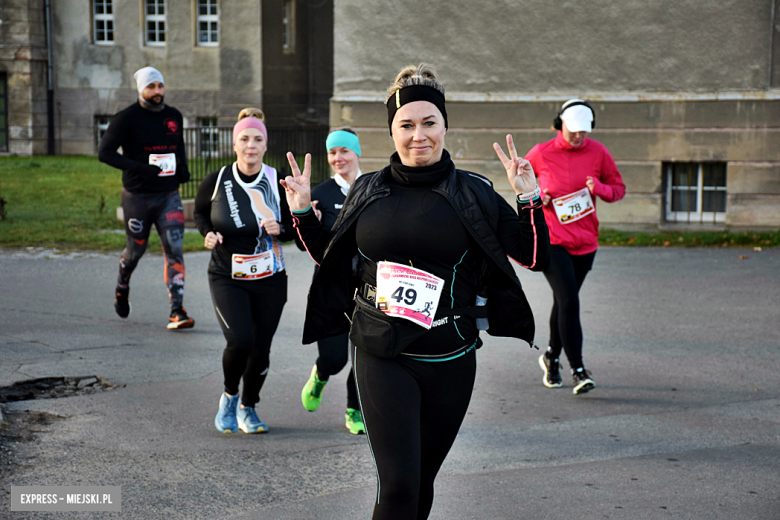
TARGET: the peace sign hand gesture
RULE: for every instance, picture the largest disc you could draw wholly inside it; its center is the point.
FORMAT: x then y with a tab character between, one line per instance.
297	187
519	172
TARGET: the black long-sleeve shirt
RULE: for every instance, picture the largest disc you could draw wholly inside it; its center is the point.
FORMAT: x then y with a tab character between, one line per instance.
140	133
234	204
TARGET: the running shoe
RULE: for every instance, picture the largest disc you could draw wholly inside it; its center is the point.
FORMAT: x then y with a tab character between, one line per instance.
311	395
354	421
225	421
582	381
249	422
552	371
180	320
122	303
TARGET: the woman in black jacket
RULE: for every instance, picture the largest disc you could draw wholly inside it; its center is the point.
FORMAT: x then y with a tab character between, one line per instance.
343	147
434	242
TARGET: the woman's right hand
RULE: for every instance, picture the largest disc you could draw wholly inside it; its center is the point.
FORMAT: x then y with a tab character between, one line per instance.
317	212
297	187
212	239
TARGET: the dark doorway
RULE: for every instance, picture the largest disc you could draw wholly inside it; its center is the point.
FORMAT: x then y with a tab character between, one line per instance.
297	39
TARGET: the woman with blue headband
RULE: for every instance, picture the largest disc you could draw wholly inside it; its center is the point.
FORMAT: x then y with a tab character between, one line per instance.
327	199
434	242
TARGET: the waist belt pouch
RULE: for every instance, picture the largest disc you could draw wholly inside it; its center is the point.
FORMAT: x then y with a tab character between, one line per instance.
380	335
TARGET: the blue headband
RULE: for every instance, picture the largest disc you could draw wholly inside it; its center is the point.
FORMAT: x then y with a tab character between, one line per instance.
345	139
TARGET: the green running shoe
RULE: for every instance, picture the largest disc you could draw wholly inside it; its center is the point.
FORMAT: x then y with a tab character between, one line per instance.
354	421
311	395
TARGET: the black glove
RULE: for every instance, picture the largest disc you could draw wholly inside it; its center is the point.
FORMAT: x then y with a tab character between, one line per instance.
146	170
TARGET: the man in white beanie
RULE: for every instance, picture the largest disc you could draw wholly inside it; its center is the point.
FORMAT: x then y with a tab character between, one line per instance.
153	164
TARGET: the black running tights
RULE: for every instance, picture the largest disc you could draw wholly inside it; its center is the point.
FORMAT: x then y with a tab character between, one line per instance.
249	313
333	356
412	411
565	275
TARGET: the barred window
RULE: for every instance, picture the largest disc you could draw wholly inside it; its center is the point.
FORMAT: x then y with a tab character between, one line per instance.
155	22
208	23
288	26
101	125
696	192
103	22
209	136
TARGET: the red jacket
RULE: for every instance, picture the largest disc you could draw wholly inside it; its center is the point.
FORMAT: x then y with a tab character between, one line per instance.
563	169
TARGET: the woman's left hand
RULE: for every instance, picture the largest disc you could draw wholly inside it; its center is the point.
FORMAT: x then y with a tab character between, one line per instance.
271	226
519	172
590	183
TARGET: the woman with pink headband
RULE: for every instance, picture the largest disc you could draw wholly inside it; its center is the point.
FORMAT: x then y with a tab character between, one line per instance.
243	214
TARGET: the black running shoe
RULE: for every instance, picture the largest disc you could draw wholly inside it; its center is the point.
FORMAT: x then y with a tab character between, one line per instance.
122	303
180	320
582	381
552	371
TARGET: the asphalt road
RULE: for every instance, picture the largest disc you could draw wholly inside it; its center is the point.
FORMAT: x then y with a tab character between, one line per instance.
684	423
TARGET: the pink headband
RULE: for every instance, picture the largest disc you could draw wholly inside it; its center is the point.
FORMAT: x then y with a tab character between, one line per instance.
249	122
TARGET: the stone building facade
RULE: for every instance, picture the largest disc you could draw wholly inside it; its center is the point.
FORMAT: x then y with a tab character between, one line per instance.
686	94
217	56
23	85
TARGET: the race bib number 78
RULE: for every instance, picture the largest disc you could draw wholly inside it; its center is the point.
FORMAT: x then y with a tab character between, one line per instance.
573	206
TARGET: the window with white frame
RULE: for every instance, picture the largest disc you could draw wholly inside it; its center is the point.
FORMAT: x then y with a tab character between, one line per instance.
101	126
696	192
103	21
209	136
208	23
288	26
155	22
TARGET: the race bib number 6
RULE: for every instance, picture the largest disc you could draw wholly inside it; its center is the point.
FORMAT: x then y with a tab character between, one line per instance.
573	206
406	292
252	267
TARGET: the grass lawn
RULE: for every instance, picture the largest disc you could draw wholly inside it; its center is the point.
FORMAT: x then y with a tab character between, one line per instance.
69	202
64	202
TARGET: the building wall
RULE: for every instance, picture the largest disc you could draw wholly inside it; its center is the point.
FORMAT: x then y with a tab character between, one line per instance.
23	59
94	79
669	81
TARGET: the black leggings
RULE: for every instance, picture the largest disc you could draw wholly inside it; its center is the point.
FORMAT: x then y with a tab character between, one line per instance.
412	411
333	356
565	276
164	211
249	313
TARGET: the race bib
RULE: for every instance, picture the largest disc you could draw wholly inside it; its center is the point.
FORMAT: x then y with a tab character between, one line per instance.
252	267
408	293
165	161
573	206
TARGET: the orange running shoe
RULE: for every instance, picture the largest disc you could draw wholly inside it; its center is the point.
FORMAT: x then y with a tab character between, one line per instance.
180	320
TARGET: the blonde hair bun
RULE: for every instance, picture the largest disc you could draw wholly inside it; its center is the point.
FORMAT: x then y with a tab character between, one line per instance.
422	74
251	112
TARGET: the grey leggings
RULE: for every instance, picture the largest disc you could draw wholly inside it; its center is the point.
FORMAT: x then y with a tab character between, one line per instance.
165	212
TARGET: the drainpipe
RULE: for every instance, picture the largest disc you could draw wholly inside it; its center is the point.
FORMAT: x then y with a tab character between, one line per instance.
49	81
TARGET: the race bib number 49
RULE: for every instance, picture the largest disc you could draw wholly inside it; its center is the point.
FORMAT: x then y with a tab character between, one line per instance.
573	206
406	292
252	267
165	161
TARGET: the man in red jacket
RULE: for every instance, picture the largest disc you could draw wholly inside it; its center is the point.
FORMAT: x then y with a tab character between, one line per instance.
573	170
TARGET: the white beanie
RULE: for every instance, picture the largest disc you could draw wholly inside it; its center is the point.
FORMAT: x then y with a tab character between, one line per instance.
145	76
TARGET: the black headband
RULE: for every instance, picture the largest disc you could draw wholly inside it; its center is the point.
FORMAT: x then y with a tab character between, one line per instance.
412	93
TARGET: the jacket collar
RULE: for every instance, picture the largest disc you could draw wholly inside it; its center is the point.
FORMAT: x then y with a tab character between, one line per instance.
561	143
